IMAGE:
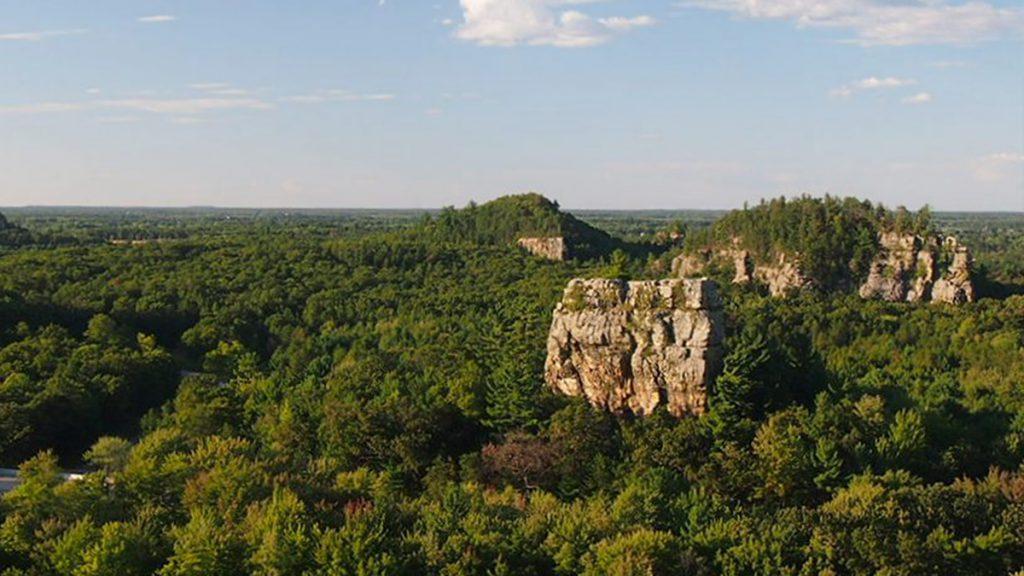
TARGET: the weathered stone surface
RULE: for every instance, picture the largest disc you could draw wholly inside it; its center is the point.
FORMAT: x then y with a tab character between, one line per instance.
781	277
906	270
632	346
552	248
956	286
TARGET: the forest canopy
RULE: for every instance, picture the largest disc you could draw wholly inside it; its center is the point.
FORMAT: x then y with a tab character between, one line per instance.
832	237
328	394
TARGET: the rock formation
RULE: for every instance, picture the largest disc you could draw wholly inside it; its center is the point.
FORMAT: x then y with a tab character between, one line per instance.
957	285
552	248
632	346
781	277
906	269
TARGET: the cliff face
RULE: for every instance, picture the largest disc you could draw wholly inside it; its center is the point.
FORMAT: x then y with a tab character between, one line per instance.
906	269
956	287
780	277
632	346
552	248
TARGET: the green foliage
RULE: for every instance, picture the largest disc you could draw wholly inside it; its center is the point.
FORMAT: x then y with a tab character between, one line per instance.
100	384
109	454
206	546
323	395
281	537
834	239
364	546
505	220
643	552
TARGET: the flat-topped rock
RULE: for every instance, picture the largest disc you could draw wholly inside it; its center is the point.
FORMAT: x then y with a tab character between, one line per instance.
633	346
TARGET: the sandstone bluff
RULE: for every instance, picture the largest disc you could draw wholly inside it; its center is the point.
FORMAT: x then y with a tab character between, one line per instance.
909	268
552	248
633	346
906	268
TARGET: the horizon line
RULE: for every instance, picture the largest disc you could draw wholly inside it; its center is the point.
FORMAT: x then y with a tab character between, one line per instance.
211	207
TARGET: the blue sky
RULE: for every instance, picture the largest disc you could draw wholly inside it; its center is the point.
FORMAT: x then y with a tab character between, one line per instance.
598	104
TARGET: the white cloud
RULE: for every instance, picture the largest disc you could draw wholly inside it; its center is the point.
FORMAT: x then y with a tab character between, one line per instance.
919	98
176	106
117	119
207	86
945	64
999	167
219	89
229	92
623	24
886	22
39	35
43	108
157	18
540	23
337	95
187	120
217	96
871	83
185	106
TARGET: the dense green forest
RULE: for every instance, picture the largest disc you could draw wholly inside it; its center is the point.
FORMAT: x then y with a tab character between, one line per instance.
835	238
361	393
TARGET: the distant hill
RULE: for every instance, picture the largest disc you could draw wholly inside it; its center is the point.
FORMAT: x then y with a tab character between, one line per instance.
509	219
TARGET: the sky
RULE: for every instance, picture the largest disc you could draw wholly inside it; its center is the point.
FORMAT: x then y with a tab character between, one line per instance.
598	104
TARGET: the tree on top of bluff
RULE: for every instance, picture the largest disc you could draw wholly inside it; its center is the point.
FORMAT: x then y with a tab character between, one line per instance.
506	219
833	236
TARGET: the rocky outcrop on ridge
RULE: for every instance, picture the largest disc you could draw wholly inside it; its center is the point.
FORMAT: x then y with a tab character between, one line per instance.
633	346
551	248
780	277
907	269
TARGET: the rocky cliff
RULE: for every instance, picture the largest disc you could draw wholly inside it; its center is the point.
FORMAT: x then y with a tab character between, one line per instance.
551	248
781	277
632	346
907	269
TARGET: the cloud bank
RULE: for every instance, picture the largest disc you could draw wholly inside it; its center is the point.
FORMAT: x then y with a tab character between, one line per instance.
886	22
39	35
871	83
540	23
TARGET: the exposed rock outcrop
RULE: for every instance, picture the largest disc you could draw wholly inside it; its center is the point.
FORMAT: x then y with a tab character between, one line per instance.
906	269
552	248
957	285
632	346
781	277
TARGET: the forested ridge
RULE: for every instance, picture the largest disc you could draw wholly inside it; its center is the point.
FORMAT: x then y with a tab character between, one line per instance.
362	394
834	239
